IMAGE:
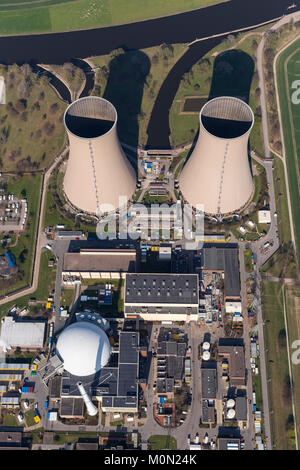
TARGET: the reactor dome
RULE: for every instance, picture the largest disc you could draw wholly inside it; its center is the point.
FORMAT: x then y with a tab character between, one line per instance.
84	348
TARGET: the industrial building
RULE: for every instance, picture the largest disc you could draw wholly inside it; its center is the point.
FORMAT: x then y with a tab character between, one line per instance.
23	334
224	259
209	383
229	443
99	263
96	162
93	371
171	351
218	173
161	297
236	359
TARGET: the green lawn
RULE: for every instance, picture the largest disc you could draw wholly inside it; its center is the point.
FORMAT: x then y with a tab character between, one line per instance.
30	122
28	186
248	260
62	15
288	70
158	442
45	285
292	302
277	367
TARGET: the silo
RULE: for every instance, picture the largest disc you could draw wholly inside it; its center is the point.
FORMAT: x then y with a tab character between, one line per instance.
206	355
218	173
230	403
230	413
98	171
205	346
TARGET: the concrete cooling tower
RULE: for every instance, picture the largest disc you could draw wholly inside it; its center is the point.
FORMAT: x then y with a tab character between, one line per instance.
98	171
218	172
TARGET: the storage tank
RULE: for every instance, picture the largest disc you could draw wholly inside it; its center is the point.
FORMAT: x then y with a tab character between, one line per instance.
206	356
206	346
218	173
230	403
98	171
230	413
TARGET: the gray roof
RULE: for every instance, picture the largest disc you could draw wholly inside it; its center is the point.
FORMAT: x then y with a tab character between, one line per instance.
209	383
101	260
241	408
161	288
224	259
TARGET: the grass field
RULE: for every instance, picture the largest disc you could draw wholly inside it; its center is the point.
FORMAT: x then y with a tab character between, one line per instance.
45	285
42	16
28	186
288	71
277	368
158	442
292	302
32	114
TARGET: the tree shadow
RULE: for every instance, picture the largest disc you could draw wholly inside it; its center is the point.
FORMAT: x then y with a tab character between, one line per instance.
128	71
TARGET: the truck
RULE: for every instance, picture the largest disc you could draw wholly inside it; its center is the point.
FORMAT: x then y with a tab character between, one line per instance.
46	403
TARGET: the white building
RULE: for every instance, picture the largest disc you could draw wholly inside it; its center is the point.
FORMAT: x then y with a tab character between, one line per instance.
2	91
23	334
264	217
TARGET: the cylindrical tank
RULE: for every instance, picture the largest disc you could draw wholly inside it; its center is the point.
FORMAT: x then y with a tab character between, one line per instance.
91	408
230	403
230	413
206	356
98	171
218	173
205	346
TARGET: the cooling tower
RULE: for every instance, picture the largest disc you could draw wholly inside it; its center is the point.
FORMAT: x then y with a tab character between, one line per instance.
218	172
98	171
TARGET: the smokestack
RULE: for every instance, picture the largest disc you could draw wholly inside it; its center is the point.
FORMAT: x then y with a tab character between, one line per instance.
218	172
98	170
91	408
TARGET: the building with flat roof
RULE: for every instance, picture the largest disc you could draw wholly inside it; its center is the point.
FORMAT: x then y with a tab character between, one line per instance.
224	259
11	438
209	383
23	334
241	408
236	360
226	443
208	412
161	297
99	263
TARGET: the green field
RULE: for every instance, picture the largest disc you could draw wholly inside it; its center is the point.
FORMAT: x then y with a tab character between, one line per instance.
158	442
288	72
28	186
279	389
41	16
292	302
31	127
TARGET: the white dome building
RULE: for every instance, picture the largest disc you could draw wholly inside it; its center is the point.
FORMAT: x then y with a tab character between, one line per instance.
84	348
